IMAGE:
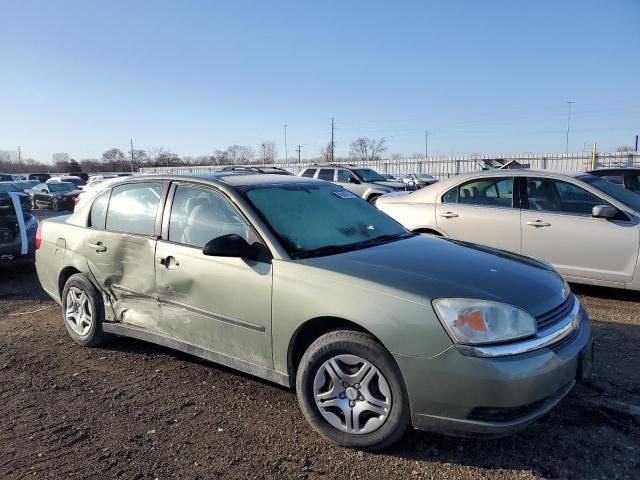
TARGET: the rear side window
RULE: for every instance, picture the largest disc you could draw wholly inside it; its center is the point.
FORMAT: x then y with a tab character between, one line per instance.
99	211
326	174
309	172
133	208
492	192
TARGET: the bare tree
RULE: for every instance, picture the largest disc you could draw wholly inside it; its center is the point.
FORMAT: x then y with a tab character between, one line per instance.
268	152
326	153
238	154
367	149
60	158
625	149
113	159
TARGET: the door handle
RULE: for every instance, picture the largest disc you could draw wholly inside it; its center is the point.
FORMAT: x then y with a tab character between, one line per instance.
169	262
449	215
98	247
539	223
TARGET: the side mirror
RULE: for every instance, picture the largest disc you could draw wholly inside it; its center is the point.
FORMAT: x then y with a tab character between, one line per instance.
604	211
354	180
231	245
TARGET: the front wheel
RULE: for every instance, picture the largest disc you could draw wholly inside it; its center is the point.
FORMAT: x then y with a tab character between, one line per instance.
372	199
55	205
351	391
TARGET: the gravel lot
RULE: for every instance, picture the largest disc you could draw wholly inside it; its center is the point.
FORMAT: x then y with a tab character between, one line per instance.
134	410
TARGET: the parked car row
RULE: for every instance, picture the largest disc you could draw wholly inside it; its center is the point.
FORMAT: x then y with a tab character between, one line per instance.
17	227
302	282
586	227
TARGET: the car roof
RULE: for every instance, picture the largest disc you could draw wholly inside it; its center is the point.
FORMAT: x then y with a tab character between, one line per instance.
233	179
431	192
615	169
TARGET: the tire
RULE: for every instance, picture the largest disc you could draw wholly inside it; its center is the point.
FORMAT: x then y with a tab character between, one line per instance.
381	384
85	330
55	205
33	204
372	199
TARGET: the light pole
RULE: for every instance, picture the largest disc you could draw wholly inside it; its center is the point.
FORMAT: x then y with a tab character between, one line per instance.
426	144
286	153
566	148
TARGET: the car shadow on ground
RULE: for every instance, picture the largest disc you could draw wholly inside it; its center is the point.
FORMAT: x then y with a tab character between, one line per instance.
606	292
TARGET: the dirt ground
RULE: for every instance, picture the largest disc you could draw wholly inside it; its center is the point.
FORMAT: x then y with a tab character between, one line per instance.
133	410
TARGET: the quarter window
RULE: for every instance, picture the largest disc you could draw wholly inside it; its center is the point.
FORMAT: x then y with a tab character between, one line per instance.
309	172
133	208
99	210
326	174
558	196
199	215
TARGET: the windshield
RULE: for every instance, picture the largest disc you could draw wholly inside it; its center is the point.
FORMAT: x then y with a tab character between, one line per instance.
8	187
368	175
621	194
314	220
61	187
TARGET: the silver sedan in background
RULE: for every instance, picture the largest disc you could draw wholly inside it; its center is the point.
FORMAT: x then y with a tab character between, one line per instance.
587	228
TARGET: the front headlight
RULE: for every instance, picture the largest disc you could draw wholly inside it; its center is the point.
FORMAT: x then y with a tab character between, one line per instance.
481	321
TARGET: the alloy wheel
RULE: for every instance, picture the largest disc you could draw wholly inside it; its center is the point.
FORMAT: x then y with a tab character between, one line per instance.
352	394
78	312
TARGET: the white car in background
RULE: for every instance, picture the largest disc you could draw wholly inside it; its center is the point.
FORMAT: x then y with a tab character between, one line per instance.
587	228
94	188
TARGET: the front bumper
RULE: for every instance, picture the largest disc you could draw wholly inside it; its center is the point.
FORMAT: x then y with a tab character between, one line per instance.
465	395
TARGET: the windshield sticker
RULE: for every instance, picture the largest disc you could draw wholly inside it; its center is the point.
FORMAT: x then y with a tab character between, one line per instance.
344	194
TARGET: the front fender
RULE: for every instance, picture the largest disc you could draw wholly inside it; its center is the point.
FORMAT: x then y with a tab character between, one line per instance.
403	324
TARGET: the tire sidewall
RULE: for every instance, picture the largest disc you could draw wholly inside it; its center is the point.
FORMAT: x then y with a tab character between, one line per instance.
364	346
95	334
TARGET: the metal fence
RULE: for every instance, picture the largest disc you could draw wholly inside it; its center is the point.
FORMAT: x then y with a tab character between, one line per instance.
446	167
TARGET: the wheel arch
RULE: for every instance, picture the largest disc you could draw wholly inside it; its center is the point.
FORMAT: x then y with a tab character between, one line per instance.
64	276
309	332
429	231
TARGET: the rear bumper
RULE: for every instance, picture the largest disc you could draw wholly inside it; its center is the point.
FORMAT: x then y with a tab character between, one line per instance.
457	394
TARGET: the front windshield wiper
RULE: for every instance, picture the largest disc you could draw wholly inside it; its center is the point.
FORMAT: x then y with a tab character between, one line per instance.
335	249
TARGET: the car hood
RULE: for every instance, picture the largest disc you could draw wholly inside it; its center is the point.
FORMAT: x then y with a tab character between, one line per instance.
73	193
390	184
424	268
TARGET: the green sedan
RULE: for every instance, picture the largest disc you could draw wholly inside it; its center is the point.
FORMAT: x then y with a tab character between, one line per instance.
300	282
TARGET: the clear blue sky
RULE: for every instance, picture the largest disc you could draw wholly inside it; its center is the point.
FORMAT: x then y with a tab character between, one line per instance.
482	76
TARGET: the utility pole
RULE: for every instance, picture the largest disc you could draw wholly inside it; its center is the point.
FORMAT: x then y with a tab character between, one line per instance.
566	148
426	144
299	149
20	151
286	152
636	143
333	144
131	154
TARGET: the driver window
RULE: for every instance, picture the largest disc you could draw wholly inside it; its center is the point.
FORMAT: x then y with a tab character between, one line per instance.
344	176
199	215
558	196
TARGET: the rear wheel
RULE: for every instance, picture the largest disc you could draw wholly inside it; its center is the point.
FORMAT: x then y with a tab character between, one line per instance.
83	311
351	391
